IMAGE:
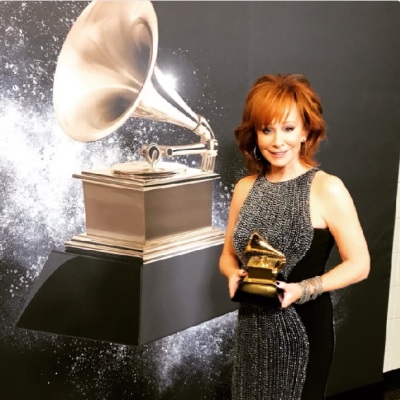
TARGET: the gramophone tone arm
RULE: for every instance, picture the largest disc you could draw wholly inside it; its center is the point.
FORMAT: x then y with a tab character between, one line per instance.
154	152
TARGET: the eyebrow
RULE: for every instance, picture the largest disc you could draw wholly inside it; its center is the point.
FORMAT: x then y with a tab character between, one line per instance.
285	122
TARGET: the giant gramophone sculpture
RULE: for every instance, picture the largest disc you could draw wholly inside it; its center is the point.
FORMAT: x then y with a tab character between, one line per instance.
107	73
147	265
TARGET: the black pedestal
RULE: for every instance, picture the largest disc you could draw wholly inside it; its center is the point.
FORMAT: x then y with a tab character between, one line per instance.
123	300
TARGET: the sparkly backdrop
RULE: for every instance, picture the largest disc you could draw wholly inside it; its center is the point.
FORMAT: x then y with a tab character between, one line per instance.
42	207
215	50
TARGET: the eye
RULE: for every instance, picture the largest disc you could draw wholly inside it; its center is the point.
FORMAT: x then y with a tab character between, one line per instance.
289	128
266	130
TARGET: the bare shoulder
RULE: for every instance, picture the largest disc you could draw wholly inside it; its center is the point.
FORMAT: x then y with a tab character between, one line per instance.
246	183
328	186
333	200
242	188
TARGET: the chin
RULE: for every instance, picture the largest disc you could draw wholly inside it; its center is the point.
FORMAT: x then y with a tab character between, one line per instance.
278	163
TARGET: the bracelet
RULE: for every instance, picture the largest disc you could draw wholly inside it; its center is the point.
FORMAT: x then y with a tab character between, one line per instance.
311	289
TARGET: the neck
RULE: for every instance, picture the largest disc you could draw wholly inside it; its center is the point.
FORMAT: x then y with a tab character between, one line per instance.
280	174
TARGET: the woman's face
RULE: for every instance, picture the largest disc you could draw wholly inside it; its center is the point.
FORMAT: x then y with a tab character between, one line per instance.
280	142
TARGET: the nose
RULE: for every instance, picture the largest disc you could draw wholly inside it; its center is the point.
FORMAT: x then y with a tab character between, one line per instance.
277	139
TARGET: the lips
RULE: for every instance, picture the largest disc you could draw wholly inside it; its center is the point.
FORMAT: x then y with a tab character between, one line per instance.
278	153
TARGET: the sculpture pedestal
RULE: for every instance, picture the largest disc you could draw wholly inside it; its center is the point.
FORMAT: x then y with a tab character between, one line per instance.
124	300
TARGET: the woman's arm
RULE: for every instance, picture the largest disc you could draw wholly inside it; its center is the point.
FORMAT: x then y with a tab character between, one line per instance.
342	220
339	213
229	263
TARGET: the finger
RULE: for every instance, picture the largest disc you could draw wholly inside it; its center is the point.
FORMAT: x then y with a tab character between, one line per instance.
232	290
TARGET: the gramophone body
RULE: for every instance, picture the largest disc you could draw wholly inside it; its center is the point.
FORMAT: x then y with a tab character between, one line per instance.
150	219
262	268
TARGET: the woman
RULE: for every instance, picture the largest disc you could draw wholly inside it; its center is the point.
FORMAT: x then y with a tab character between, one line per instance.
285	352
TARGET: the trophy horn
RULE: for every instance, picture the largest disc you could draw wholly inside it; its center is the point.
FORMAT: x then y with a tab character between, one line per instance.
257	244
106	73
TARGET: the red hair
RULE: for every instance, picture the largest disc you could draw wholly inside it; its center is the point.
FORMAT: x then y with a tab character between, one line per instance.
269	100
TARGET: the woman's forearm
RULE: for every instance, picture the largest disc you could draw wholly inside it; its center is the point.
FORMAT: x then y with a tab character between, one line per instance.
345	274
228	265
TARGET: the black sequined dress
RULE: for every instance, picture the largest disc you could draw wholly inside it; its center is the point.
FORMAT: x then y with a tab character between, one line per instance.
284	354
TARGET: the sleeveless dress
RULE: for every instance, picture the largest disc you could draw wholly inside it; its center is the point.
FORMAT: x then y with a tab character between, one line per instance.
284	354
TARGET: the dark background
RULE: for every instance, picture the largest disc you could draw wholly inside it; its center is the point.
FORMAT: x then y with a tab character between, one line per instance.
350	53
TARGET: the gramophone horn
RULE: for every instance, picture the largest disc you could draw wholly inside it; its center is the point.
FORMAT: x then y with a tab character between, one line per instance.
106	72
257	244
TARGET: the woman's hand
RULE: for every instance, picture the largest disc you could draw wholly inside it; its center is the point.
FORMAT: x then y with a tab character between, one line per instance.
288	293
234	280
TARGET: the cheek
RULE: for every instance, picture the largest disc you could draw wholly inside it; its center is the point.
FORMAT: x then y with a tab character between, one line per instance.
262	140
294	141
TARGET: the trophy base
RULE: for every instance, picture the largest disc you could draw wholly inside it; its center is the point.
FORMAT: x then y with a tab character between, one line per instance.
152	250
256	293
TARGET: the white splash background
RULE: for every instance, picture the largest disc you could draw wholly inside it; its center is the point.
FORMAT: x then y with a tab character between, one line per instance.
42	207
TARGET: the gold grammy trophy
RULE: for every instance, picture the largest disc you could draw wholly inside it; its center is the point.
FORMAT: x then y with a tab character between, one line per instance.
262	268
106	73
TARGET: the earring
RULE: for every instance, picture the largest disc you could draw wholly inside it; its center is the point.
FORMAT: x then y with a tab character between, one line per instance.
256	156
303	148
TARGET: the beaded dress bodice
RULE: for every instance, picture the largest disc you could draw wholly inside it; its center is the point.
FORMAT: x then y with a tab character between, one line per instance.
281	214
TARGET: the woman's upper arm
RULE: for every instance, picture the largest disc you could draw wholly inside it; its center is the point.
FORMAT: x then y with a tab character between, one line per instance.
240	193
342	220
